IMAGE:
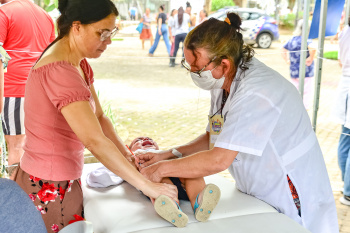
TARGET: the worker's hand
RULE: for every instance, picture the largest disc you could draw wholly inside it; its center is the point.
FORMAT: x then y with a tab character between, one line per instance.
172	39
308	61
148	158
152	172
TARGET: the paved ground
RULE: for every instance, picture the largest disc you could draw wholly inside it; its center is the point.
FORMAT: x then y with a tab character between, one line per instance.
149	98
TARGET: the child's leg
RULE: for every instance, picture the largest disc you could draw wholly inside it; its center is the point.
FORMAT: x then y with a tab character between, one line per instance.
169	209
193	188
204	198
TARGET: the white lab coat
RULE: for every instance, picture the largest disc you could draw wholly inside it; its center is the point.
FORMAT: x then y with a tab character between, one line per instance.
266	122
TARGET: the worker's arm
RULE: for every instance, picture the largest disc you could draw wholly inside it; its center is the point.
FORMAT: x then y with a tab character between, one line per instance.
201	143
200	164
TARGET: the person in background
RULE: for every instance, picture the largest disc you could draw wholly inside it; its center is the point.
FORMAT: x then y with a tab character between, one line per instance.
257	128
202	17
180	25
71	117
25	31
4	59
133	13
293	46
162	30
171	25
146	33
341	112
193	19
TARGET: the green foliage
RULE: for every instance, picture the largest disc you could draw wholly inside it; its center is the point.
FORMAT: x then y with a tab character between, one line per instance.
288	20
50	8
218	4
331	55
109	111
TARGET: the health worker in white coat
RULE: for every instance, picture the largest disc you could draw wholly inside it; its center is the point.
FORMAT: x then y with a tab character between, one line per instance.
258	128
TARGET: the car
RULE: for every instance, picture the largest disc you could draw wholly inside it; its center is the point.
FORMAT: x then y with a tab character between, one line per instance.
258	27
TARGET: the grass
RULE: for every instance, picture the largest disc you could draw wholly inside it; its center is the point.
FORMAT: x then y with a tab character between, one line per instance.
331	55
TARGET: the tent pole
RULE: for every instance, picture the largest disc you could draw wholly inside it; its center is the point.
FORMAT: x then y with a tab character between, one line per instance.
305	35
321	36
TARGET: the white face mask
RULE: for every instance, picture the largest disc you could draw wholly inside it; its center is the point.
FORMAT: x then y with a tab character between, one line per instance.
206	80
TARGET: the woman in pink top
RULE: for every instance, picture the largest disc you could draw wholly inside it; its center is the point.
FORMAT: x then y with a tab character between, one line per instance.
64	115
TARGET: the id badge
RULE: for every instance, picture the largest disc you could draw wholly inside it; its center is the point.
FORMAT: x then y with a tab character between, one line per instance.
216	123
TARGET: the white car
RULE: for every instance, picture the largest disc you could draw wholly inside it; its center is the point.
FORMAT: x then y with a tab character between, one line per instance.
258	28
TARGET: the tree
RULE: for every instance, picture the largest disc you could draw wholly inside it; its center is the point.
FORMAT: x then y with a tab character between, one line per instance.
47	5
291	4
218	4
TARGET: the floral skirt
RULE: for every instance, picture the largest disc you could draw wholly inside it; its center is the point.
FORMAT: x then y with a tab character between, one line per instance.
60	202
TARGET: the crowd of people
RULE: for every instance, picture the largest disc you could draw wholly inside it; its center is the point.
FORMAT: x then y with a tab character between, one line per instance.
172	28
258	127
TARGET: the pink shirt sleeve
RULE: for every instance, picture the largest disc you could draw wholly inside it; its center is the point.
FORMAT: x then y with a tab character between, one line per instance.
63	85
88	71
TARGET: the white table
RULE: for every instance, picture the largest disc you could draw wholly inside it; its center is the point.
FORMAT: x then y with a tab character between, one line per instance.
124	209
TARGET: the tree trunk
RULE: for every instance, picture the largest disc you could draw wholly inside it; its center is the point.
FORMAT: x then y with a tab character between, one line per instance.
207	7
291	4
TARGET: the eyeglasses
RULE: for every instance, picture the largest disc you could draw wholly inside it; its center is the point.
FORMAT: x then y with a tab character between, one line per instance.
105	34
188	67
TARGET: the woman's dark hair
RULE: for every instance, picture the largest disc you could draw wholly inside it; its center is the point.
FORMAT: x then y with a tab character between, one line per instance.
223	40
180	15
161	7
188	4
85	11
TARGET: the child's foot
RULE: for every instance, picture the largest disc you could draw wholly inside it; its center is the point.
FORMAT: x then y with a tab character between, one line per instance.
206	202
170	211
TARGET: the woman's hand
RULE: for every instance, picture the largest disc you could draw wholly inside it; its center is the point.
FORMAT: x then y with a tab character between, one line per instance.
149	158
159	32
172	39
309	61
154	190
152	172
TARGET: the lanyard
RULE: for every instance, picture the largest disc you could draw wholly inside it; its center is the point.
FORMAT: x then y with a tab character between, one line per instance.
225	95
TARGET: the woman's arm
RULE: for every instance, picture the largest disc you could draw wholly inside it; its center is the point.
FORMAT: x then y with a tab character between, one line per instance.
86	126
201	164
160	26
201	143
312	52
284	53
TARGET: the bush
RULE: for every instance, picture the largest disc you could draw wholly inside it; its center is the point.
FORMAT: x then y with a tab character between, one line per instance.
218	4
288	20
331	55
